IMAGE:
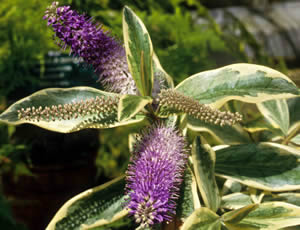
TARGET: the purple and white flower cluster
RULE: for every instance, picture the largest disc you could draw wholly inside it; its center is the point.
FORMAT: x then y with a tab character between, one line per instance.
154	175
94	45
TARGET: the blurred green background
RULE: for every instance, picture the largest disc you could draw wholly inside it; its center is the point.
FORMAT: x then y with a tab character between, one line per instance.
183	46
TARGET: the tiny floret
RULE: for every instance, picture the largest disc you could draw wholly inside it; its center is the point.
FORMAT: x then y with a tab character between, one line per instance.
154	175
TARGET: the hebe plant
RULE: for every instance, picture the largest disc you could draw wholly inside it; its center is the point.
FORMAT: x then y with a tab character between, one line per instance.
193	165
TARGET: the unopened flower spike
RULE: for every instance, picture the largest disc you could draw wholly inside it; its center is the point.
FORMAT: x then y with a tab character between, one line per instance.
94	45
154	175
172	100
100	106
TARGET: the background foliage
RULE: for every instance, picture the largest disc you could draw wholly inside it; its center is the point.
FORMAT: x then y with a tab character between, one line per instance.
25	40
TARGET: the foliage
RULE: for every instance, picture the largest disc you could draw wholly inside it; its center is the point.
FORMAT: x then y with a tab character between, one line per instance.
24	41
260	154
208	45
12	155
6	219
180	55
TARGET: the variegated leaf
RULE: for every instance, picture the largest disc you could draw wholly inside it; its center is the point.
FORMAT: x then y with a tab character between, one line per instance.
237	215
204	166
296	141
261	124
235	200
187	202
277	113
245	82
161	75
202	219
69	109
269	216
267	166
139	51
130	105
222	135
96	207
288	197
294	109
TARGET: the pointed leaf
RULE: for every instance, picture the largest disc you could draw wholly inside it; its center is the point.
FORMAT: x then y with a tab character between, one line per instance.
269	216
222	135
186	204
236	216
204	166
202	219
121	223
294	108
235	200
160	74
267	166
291	198
277	113
261	124
296	140
244	82
98	206
85	109
130	105
139	51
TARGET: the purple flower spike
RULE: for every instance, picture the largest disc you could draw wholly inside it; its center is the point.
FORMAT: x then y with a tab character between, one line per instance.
154	175
94	45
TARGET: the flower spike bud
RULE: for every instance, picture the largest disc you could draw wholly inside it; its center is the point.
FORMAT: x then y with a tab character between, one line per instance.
100	106
175	101
154	175
94	45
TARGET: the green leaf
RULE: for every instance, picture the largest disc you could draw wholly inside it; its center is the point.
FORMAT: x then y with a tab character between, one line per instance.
244	82
95	207
289	197
223	135
186	204
120	224
277	113
139	51
96	118
261	124
161	74
267	166
130	105
6	218
235	200
269	216
294	109
202	219
296	140
236	216
204	166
